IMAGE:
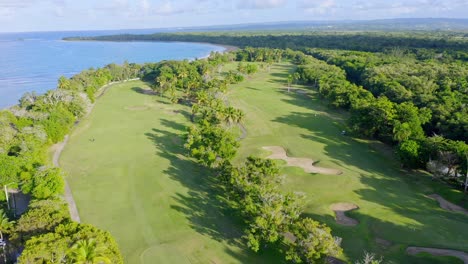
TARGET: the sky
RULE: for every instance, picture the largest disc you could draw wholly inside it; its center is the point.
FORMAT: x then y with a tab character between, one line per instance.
50	15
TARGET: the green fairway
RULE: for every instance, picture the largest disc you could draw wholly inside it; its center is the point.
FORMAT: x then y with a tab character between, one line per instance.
129	175
393	206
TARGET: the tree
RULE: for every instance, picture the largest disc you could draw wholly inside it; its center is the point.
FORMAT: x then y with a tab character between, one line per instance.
42	217
46	183
230	115
311	242
64	83
401	131
254	192
58	124
5	224
210	144
72	243
161	82
88	252
289	82
296	77
409	154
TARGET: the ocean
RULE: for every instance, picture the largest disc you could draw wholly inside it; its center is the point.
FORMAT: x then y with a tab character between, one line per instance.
34	61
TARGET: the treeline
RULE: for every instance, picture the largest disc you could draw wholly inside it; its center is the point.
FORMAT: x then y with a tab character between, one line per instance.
438	86
456	45
46	232
272	218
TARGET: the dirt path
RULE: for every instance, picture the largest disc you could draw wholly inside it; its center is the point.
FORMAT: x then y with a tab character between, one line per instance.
341	218
305	163
439	252
58	148
444	204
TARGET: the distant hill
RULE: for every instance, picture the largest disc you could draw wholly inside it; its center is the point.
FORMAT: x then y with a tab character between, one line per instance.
397	24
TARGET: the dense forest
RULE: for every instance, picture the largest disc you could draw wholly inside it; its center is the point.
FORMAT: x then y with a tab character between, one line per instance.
455	44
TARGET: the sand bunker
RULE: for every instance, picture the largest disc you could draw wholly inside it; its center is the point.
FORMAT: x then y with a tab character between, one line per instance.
305	163
439	252
341	218
447	205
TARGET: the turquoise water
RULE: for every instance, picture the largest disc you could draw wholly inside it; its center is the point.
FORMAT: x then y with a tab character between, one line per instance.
34	61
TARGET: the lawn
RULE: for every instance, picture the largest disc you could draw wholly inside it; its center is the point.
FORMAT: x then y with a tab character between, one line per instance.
393	206
129	175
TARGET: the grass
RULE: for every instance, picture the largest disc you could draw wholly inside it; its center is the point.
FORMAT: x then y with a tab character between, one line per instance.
134	181
392	202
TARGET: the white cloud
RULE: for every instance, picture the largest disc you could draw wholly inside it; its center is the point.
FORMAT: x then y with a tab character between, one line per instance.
260	4
318	7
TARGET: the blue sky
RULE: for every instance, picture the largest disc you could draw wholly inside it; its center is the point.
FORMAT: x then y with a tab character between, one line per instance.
38	15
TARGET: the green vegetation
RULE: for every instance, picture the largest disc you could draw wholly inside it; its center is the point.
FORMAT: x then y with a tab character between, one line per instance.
28	130
158	204
448	42
166	191
133	175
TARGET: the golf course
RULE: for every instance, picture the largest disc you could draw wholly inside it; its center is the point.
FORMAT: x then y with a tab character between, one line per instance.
130	175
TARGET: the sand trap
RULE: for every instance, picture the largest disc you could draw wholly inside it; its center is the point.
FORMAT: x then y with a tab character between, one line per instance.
341	218
444	204
305	163
439	252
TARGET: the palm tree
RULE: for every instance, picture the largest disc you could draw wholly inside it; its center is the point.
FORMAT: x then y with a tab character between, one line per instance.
161	82
88	252
5	223
202	98
230	115
240	115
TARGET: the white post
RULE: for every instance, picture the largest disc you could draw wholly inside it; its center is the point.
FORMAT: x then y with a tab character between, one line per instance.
6	195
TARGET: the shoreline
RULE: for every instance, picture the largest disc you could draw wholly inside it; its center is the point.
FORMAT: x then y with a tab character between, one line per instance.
227	48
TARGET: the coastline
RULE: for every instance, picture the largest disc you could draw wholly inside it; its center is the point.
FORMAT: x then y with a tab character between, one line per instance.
8	104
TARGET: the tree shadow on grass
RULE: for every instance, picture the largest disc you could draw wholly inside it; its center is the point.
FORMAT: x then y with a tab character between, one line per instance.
364	238
202	205
143	91
405	217
416	219
282	76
